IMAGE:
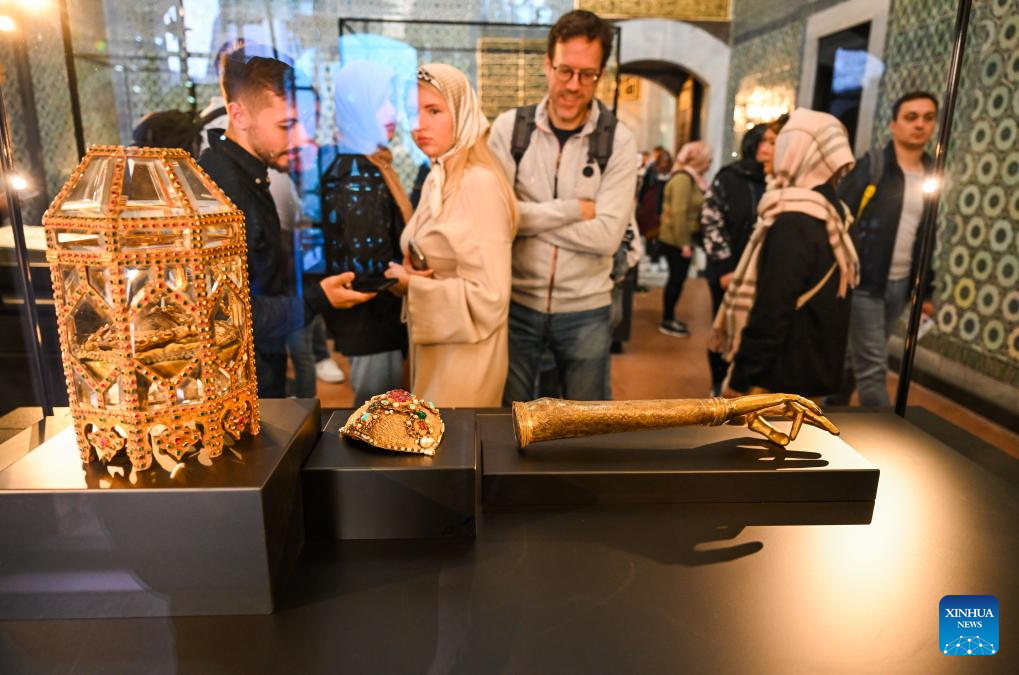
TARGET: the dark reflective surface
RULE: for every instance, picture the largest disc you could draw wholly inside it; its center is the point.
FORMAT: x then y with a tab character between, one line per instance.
703	588
77	542
356	491
679	465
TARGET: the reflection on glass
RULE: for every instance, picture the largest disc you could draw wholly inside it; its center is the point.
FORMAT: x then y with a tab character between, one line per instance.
197	189
91	193
137	334
841	69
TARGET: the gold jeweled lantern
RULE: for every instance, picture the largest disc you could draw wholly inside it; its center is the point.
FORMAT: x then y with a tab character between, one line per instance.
150	284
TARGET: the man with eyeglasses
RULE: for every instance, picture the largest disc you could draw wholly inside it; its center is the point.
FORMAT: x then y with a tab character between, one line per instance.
573	173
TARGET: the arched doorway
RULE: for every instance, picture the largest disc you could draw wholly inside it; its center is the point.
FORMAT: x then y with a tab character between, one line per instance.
663	51
662	103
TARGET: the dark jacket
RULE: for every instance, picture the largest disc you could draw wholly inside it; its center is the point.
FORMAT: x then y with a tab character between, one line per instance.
730	211
783	349
875	230
362	225
649	201
277	309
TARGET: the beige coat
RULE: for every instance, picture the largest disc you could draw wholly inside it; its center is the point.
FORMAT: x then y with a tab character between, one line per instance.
459	336
561	262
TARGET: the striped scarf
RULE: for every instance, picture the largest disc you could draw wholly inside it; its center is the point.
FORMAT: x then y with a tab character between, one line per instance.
809	150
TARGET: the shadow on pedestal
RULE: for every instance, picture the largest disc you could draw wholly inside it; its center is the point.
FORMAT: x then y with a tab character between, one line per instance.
82	543
669	466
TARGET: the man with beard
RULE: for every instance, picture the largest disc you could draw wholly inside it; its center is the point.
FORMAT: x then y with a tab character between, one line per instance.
263	131
572	170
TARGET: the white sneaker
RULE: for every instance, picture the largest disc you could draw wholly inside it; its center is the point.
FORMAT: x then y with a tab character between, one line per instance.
327	371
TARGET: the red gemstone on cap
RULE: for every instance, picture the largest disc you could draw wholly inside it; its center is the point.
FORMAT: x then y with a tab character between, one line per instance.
400	395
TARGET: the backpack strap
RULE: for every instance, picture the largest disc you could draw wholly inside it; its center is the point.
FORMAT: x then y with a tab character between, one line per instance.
806	297
523	127
599	145
209	116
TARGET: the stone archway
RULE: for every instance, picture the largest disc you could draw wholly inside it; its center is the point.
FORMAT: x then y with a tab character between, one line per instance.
696	51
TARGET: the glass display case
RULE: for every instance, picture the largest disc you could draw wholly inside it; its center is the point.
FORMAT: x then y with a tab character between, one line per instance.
151	294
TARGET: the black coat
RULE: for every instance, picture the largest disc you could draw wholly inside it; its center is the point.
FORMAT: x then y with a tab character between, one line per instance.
276	308
362	225
783	349
875	230
729	213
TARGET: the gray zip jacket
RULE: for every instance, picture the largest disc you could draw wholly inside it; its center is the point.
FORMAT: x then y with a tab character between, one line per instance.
560	262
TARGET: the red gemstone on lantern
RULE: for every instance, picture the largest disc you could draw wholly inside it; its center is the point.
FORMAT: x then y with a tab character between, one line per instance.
400	395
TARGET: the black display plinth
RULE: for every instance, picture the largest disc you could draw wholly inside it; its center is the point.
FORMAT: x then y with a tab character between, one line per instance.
355	491
688	464
81	543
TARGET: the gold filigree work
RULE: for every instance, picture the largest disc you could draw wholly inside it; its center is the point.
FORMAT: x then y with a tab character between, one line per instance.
547	419
148	261
397	420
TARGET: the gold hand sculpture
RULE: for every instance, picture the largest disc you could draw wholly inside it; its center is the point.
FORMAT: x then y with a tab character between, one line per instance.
547	419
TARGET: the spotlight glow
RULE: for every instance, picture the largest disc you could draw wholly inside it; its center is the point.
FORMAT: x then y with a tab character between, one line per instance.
930	185
36	6
18	183
7	24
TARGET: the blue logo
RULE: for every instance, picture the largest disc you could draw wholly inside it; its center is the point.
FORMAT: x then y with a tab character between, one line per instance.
968	625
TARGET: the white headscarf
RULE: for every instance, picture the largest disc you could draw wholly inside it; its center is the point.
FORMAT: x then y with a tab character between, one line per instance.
360	89
469	124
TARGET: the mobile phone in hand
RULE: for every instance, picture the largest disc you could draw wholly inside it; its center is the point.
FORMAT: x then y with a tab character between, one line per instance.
417	258
371	284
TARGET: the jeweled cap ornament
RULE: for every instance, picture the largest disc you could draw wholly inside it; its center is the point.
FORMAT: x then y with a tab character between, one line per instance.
397	420
150	286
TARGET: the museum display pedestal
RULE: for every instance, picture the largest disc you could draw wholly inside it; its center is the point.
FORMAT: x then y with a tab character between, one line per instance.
686	464
355	491
81	542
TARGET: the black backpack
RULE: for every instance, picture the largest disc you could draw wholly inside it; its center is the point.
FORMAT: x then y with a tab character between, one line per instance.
173	129
599	145
360	219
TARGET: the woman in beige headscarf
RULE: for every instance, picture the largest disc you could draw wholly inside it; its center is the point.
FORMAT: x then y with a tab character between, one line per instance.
460	240
681	214
784	319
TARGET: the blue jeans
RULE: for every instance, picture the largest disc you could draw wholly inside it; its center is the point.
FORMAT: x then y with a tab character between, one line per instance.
318	339
375	374
302	355
579	343
871	321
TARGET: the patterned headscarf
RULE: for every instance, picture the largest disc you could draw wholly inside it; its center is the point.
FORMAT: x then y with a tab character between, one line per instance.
811	147
469	124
